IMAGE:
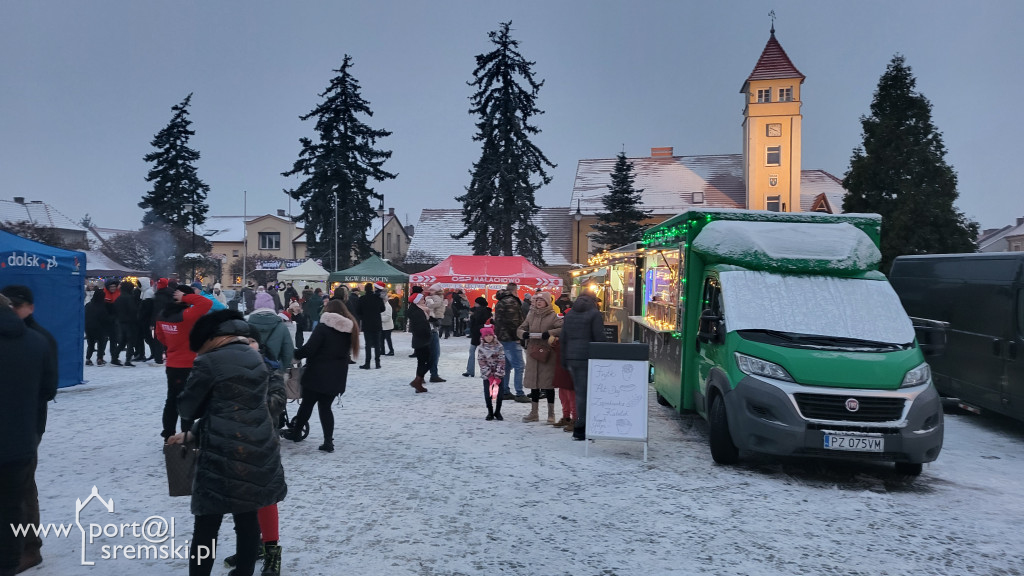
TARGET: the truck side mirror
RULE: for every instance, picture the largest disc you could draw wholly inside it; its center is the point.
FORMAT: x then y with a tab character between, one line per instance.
710	328
931	335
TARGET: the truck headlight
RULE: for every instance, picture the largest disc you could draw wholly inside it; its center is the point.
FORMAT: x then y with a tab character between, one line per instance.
757	367
917	376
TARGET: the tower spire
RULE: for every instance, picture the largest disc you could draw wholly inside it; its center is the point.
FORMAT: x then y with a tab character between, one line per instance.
771	15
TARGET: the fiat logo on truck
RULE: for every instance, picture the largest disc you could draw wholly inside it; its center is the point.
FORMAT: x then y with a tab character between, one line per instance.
852	404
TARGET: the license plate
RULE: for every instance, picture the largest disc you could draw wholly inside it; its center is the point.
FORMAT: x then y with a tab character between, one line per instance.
854	442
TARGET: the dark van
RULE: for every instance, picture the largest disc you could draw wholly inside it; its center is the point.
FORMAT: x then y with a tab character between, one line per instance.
981	299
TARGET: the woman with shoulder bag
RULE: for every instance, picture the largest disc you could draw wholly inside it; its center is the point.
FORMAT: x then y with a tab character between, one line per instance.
540	324
331	346
238	470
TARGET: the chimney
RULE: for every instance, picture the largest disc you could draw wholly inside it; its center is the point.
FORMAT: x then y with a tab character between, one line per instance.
280	212
19	199
391	211
665	152
410	230
1019	220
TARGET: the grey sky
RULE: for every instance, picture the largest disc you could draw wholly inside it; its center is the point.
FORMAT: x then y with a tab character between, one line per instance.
86	85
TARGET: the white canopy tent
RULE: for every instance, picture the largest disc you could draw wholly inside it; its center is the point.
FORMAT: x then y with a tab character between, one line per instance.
309	272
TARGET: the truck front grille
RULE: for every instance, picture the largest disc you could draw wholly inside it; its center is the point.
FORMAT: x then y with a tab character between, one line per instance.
833	407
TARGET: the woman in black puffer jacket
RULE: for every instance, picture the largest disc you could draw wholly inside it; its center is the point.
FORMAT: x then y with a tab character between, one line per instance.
239	467
326	371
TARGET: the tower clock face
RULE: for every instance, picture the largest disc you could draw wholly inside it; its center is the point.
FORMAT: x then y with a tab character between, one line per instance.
775	129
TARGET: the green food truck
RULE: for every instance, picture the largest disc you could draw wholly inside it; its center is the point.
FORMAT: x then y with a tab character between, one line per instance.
779	330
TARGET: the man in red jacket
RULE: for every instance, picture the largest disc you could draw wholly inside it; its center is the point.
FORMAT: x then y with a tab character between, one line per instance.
172	328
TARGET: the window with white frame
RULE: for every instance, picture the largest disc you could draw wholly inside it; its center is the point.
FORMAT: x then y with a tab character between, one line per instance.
773	203
764	95
772	155
270	240
234	253
785	94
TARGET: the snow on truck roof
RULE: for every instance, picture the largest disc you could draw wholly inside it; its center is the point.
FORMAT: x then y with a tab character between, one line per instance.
788	246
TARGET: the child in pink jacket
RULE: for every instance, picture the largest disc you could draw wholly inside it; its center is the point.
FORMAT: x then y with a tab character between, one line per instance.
491	356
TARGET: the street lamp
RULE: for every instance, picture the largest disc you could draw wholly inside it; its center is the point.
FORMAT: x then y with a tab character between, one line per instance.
578	216
335	230
380	211
188	209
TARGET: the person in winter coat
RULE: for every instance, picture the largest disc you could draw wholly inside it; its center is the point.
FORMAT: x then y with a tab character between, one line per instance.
172	329
563	303
268	518
272	290
434	302
508	316
387	324
238	470
331	345
219	295
290	295
97	326
491	357
126	310
249	297
419	326
527	302
582	325
27	381
563	383
368	312
448	319
540	324
274	335
480	315
146	324
301	322
311	305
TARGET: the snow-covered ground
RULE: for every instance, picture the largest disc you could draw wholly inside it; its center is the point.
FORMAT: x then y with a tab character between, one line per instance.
421	484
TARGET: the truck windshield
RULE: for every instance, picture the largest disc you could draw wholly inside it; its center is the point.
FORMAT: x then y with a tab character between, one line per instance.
840	310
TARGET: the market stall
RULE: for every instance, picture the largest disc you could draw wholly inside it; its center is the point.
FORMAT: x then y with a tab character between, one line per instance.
485	275
309	273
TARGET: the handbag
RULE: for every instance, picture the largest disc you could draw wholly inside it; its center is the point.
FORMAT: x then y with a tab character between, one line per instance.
293	385
181	468
541	353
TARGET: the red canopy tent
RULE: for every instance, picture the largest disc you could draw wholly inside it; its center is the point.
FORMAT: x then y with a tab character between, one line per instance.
486	271
476	274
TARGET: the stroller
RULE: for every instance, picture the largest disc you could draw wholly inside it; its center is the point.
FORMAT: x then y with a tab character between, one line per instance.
293	392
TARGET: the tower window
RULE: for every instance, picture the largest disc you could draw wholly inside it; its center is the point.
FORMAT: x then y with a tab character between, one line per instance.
785	94
772	155
764	95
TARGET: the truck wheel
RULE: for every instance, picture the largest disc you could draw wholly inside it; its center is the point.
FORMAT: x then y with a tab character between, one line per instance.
723	451
908	469
661	399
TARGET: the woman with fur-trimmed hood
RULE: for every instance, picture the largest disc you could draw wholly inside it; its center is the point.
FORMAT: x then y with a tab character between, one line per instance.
540	324
238	470
333	343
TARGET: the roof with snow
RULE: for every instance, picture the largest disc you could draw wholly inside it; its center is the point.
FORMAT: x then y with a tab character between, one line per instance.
433	241
997	241
37	212
669	184
232	228
773	64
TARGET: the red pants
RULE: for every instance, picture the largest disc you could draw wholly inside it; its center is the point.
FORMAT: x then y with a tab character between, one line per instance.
567	398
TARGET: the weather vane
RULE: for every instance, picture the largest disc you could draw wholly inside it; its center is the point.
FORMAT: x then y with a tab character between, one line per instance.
771	15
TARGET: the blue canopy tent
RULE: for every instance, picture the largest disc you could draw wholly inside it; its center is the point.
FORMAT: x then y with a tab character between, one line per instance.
57	280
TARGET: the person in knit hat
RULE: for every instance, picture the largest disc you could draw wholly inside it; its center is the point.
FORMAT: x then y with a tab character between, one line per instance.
491	356
276	339
172	329
478	317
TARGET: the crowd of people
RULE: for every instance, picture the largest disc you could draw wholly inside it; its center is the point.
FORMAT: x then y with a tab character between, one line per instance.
226	362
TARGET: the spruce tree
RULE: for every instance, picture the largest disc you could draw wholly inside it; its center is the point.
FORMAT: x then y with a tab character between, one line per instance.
622	219
900	172
174	178
499	203
342	161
